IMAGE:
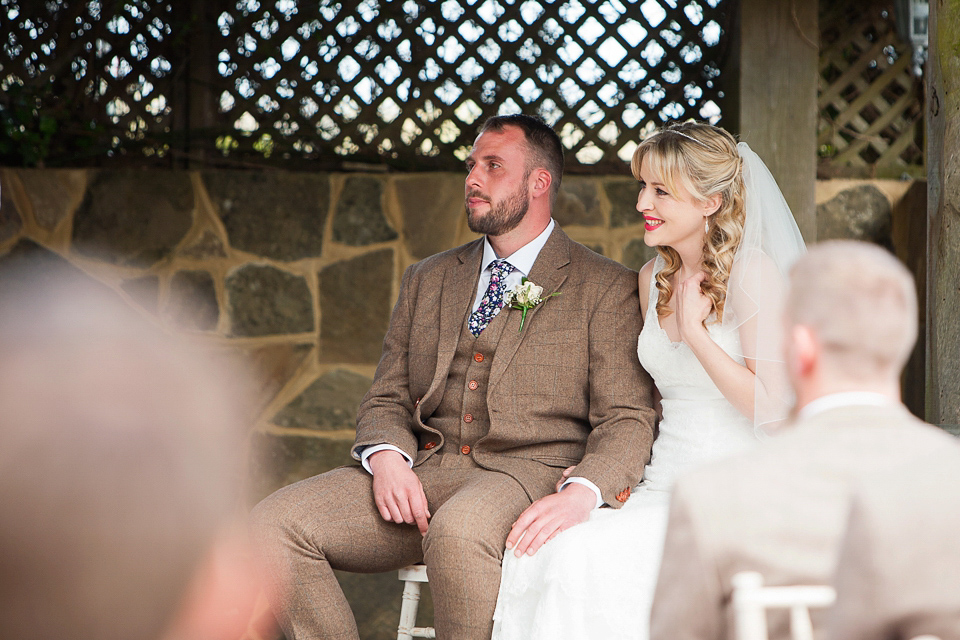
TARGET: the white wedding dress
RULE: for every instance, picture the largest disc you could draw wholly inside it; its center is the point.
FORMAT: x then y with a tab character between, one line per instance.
596	580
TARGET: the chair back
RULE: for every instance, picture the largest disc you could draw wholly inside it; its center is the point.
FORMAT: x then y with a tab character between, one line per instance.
751	600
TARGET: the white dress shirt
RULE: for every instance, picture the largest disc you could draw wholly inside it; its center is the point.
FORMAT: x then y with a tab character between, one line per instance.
844	399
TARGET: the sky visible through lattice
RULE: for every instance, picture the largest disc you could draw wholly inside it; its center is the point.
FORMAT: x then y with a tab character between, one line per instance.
393	79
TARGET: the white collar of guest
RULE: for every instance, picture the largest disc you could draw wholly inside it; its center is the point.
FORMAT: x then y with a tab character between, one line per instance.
523	258
845	399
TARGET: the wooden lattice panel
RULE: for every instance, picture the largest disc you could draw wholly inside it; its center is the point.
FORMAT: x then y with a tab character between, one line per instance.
329	83
95	75
408	82
871	113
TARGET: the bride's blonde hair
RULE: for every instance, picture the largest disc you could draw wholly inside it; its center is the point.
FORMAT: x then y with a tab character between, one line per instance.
705	160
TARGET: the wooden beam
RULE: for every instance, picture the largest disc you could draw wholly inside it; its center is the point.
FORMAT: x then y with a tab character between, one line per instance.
943	212
779	57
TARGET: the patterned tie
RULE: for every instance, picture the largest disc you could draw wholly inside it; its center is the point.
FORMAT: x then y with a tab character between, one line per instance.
492	300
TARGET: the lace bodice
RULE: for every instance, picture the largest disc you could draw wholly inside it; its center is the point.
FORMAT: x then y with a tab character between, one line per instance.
673	366
698	422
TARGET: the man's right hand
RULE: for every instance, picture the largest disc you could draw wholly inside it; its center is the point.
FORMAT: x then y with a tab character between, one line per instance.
397	490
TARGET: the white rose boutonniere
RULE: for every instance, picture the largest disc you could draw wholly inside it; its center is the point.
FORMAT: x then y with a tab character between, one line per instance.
525	296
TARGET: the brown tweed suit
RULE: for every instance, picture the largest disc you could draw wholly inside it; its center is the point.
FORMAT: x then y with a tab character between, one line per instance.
567	390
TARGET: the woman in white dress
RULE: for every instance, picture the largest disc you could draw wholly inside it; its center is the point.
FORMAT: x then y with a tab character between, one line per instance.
710	299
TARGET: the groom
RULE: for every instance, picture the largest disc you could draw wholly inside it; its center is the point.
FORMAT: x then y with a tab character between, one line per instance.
471	418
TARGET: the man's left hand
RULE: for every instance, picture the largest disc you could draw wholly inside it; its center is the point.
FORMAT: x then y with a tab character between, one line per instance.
550	515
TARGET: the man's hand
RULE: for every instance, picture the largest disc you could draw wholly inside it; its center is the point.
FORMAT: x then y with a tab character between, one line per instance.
548	516
397	490
563	477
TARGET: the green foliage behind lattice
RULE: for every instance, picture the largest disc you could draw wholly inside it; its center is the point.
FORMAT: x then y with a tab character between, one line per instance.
400	82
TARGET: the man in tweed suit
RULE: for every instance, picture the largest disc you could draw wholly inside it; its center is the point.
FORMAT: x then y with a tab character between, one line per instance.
471	418
781	510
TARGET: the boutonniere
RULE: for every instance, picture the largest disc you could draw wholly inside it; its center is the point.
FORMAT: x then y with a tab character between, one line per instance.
525	296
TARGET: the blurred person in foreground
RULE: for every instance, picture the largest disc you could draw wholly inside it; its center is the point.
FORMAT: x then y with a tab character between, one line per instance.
851	321
897	573
119	465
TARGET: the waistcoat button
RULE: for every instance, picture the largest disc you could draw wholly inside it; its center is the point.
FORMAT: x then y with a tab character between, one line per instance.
465	449
468	418
473	384
478	357
430	445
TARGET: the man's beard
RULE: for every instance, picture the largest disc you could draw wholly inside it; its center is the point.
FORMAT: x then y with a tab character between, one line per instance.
503	217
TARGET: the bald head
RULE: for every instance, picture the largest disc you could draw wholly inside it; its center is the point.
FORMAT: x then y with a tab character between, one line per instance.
119	458
860	303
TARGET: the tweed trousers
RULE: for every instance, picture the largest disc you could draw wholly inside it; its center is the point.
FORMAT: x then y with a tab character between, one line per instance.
330	522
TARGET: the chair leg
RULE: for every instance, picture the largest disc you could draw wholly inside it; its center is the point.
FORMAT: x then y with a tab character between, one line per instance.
408	609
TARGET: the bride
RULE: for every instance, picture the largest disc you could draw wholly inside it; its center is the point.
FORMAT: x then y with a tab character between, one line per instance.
710	300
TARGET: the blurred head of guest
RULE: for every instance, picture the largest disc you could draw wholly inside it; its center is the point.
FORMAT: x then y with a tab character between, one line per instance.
120	461
851	321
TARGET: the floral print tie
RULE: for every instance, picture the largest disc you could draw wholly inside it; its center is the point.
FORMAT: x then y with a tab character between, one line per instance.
492	300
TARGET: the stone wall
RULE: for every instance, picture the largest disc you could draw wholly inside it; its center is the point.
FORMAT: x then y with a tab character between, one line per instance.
296	273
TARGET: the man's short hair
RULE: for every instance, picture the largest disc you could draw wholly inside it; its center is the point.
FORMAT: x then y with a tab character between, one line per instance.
860	301
545	149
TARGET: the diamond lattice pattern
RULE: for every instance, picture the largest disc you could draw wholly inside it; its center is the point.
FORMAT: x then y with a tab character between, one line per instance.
399	81
408	81
100	72
870	102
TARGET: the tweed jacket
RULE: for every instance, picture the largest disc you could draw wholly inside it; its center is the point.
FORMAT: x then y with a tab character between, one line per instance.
780	509
566	390
897	573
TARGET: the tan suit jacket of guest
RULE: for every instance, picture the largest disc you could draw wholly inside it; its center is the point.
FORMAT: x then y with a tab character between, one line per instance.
780	510
566	390
898	576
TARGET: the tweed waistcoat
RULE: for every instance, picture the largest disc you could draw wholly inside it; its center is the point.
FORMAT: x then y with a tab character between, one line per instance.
462	415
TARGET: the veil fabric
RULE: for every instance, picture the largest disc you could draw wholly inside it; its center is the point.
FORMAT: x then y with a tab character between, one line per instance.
757	288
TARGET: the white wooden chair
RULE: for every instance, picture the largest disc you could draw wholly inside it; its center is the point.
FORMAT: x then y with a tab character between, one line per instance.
412	577
751	600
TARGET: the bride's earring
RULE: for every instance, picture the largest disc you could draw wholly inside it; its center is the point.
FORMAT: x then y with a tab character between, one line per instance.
706	225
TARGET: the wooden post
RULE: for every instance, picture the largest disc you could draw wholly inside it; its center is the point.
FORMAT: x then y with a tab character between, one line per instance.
943	216
779	54
195	113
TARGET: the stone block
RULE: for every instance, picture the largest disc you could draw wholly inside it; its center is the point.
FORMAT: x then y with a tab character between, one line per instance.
193	300
359	220
271	367
858	213
432	206
636	254
207	245
355	302
277	461
52	193
39	265
134	217
264	301
11	220
145	291
331	402
622	195
577	203
273	214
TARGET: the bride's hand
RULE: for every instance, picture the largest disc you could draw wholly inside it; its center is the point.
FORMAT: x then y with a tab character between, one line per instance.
693	307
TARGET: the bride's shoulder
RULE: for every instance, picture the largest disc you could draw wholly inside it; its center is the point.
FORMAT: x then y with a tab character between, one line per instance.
644	277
